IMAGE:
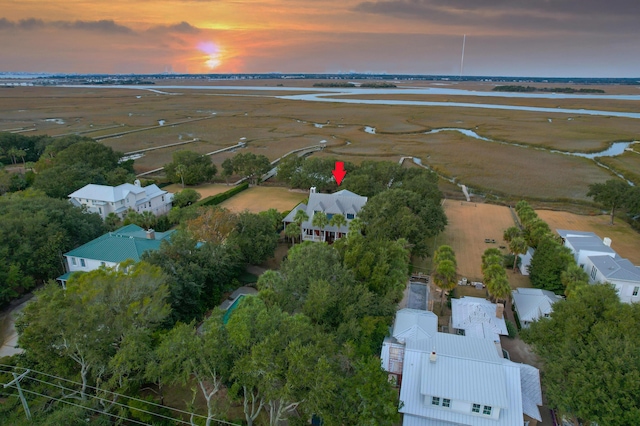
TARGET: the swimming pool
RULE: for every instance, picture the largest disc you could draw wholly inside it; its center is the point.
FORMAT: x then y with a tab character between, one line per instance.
234	305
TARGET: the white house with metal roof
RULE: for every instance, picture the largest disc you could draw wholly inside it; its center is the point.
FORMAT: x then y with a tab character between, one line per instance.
103	199
448	379
476	317
344	202
533	303
111	249
603	264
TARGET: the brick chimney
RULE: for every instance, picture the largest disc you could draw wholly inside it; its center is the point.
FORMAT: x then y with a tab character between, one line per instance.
499	310
151	234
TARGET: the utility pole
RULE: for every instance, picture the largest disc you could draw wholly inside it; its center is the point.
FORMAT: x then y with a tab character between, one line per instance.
16	380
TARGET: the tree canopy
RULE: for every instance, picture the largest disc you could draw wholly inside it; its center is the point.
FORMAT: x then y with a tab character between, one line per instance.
414	218
190	168
612	194
79	164
36	230
591	361
249	165
547	264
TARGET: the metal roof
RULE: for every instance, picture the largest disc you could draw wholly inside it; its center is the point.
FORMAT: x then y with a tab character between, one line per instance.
504	388
115	193
616	268
533	303
477	317
412	324
484	383
128	242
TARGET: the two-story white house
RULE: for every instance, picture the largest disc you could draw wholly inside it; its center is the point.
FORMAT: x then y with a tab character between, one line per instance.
103	199
448	379
111	249
603	264
344	202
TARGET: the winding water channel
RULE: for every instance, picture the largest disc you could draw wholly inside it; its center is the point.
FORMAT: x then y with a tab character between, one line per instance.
335	95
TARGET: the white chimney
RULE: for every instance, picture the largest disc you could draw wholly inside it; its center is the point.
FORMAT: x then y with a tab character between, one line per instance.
151	234
312	190
499	310
137	182
433	356
607	241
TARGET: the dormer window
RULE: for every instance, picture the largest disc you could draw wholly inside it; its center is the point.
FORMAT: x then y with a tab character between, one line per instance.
350	216
475	408
446	403
435	400
486	410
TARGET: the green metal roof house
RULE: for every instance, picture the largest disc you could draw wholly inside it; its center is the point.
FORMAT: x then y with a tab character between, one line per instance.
128	242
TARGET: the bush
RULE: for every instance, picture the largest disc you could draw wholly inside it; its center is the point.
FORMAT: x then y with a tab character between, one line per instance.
218	198
511	329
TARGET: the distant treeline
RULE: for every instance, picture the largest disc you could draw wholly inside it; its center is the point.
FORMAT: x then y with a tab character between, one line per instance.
347	84
544	89
334	84
379	85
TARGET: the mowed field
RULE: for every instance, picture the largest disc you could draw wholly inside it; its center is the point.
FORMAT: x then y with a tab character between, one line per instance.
204	190
507	165
260	198
469	225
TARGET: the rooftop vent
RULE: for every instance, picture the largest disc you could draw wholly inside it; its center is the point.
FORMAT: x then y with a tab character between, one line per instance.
433	357
607	241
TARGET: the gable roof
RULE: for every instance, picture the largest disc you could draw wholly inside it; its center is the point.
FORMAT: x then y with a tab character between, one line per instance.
115	193
477	317
342	202
533	303
492	381
128	242
466	369
616	268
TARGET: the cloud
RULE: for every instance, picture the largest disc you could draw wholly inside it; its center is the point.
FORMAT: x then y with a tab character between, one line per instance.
581	16
26	24
103	25
183	28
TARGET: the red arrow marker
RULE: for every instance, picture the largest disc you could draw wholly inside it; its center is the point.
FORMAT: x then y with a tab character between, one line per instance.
339	172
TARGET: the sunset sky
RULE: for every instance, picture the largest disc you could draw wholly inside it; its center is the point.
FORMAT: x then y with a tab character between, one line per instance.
570	38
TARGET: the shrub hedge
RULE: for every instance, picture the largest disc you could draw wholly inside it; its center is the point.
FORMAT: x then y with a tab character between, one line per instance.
218	198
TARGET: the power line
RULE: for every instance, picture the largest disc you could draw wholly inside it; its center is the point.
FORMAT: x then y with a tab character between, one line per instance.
219	421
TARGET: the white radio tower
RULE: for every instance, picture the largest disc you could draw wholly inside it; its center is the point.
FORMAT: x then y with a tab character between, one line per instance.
464	39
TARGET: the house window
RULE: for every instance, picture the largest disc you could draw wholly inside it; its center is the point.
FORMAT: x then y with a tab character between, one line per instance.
100	210
350	216
82	263
593	272
446	403
329	216
103	264
635	291
435	400
475	408
486	410
163	198
73	261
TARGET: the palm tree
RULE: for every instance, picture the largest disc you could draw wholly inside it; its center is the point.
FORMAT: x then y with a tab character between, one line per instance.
499	287
511	233
444	252
13	153
181	169
320	220
573	279
445	277
356	226
292	231
147	220
301	217
338	221
517	246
